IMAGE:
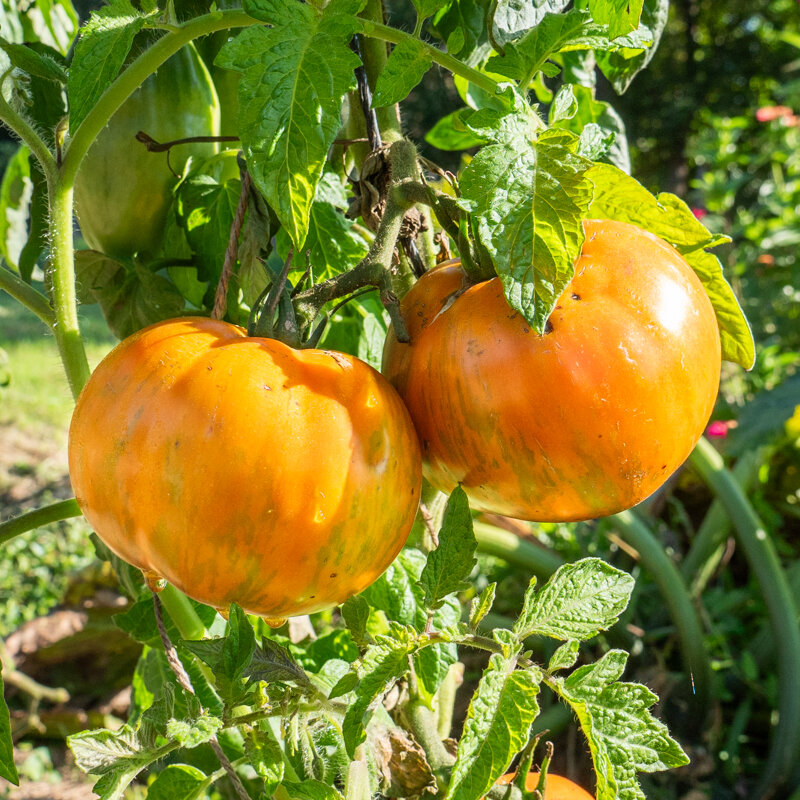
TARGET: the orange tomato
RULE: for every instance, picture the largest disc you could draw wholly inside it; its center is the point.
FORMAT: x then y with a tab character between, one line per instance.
581	422
558	788
242	470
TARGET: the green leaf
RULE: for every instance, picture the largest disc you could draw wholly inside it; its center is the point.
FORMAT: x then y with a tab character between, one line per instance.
406	65
295	75
371	341
271	662
264	754
193	733
621	16
101	51
355	611
565	104
529	203
254	247
578	602
450	133
622	66
178	782
42	65
39	218
450	564
311	790
496	728
381	665
16	192
240	643
565	656
481	606
462	24
514	18
425	8
8	769
624	738
620	197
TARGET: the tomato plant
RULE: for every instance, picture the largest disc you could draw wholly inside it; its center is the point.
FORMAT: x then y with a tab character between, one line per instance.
582	422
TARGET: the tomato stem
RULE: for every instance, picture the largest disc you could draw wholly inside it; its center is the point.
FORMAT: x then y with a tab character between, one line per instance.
675	595
65	509
763	559
18	125
182	613
25	293
520	552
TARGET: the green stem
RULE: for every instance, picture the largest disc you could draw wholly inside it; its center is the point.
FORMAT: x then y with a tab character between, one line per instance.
35	519
62	263
32	300
520	552
675	595
134	76
388	34
423	724
182	613
708	545
763	559
22	128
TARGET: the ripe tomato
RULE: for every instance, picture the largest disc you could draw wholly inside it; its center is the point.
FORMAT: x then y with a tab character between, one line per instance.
123	191
242	470
558	788
584	421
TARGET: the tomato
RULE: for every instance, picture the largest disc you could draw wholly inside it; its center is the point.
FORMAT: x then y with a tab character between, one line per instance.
123	191
242	470
584	421
558	788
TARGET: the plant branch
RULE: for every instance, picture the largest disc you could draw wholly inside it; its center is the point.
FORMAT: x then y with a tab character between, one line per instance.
32	300
136	73
18	125
35	519
515	550
152	146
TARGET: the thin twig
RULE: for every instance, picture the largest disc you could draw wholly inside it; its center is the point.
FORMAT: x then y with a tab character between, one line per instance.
365	95
221	297
162	147
185	681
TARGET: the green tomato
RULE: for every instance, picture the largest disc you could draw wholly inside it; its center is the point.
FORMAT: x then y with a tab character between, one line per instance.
122	191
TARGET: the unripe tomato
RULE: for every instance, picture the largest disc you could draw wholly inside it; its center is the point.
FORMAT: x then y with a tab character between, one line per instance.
558	788
584	421
242	470
123	191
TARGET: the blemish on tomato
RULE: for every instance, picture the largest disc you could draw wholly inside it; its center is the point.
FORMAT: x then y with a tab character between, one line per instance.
576	296
333	574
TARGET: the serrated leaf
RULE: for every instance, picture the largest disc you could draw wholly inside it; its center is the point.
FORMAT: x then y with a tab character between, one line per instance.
355	611
311	790
450	564
271	662
512	19
496	728
529	205
618	196
264	754
178	782
239	645
578	602
295	75
481	606
565	656
382	664
193	733
621	16
624	738
101	51
8	769
34	63
404	69
621	67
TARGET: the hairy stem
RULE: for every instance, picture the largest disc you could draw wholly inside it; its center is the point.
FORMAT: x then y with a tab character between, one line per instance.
25	293
18	125
38	517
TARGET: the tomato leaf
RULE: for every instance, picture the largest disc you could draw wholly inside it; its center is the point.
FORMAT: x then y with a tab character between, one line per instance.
620	197
449	565
624	738
239	645
621	16
311	790
101	51
355	611
427	7
178	782
529	200
404	69
194	733
481	606
381	665
271	662
565	656
462	25
8	769
16	192
496	728
450	132
577	602
44	64
512	20
622	66
291	98
264	754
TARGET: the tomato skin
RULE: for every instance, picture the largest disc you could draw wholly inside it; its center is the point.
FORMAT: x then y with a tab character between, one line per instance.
558	788
582	422
242	470
123	191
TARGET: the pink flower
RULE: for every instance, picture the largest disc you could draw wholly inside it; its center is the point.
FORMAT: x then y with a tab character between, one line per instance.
699	212
717	430
768	113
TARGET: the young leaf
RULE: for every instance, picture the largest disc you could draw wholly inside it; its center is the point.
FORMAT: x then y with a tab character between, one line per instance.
382	664
565	104
450	564
178	782
624	738
311	790
512	19
618	196
565	656
578	602
41	65
406	65
621	16
496	728
529	201
355	611
264	754
8	769
193	733
100	53
481	606
291	98
271	662
240	643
